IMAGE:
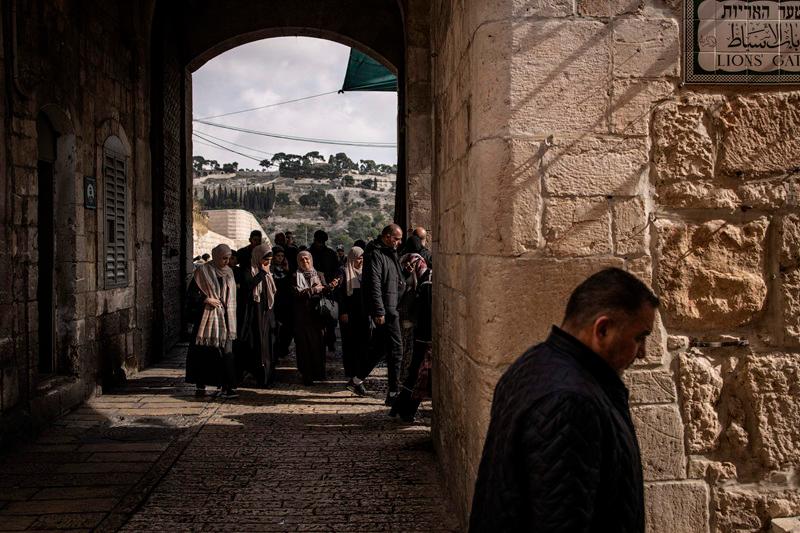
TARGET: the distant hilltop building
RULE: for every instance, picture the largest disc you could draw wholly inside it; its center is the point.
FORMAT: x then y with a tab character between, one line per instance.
233	224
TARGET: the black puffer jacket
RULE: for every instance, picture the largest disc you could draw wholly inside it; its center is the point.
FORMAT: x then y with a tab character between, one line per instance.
382	280
561	453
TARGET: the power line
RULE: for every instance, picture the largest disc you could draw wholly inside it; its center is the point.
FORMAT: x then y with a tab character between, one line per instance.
228	149
268	105
234	144
364	144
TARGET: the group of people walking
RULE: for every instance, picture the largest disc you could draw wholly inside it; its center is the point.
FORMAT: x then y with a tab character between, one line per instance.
247	306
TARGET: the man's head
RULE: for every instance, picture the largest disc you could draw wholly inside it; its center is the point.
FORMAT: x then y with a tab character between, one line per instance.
392	235
320	237
280	239
289	238
612	313
340	250
206	257
255	237
422	234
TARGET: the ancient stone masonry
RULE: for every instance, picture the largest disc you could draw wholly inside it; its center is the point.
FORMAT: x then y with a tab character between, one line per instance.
64	67
564	143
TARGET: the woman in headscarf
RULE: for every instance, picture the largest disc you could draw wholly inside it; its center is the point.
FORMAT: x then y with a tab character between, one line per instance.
353	319
257	321
309	285
283	301
408	400
212	308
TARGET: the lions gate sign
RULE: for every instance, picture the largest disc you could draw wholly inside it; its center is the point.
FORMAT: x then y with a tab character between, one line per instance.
741	41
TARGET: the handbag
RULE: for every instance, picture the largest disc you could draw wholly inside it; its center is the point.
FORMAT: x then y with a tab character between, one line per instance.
327	308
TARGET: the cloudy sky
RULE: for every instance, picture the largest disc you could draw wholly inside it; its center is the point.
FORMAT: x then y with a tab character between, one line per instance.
287	68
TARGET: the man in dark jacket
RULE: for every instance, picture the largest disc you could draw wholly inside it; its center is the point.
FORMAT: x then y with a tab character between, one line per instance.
327	263
561	453
382	286
244	254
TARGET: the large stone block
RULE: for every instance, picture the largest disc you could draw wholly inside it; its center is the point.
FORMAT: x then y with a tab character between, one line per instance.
609	8
503	196
650	386
789	234
492	10
556	70
757	135
633	101
630	227
646	48
577	226
711	274
790	285
594	166
678	507
499	332
683	147
701	387
751	507
490	55
772	394
655	344
660	435
698	194
776	193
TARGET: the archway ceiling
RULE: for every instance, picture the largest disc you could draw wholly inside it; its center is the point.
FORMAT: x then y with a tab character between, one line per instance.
372	26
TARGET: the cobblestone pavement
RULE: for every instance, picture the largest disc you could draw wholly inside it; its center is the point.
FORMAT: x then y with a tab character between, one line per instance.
152	457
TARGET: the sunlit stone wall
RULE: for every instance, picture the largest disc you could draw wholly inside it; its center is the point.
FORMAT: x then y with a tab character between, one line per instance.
564	142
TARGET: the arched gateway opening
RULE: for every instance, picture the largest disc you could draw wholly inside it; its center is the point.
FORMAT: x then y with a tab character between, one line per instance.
377	28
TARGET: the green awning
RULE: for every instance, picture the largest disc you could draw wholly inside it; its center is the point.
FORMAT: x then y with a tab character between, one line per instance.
366	74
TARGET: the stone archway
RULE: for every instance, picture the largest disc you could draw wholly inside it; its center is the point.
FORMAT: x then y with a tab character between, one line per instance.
392	31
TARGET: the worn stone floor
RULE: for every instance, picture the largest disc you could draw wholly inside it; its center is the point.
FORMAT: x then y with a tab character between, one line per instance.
152	457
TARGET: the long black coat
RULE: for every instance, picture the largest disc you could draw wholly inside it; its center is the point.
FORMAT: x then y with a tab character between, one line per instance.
561	453
382	282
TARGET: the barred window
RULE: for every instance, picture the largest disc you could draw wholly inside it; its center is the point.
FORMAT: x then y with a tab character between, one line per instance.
116	217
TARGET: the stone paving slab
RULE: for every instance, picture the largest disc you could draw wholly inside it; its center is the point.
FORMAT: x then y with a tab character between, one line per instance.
152	457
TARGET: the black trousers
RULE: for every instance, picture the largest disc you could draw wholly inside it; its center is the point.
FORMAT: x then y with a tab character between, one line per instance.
405	405
387	344
283	338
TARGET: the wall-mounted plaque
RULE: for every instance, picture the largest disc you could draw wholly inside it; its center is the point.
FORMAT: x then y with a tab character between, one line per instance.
89	192
741	41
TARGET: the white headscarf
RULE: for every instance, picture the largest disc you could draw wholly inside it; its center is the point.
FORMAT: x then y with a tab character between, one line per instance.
214	329
352	275
306	279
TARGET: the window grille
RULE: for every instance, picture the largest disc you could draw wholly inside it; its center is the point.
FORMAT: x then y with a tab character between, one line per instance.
116	220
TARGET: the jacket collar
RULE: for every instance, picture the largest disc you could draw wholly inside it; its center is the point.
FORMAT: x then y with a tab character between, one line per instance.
608	379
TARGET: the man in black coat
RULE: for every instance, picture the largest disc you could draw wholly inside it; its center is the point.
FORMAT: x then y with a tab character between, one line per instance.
327	263
244	254
382	286
561	453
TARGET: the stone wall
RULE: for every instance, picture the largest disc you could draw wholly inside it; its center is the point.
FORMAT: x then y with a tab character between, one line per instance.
564	143
90	83
418	120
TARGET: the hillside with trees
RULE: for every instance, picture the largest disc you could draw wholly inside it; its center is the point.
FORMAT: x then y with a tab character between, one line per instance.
302	193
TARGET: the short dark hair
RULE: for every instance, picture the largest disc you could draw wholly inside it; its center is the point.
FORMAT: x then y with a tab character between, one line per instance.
388	230
255	233
609	290
206	257
320	236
